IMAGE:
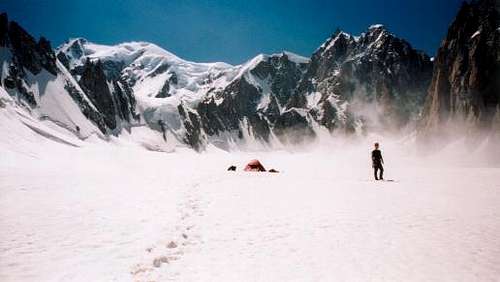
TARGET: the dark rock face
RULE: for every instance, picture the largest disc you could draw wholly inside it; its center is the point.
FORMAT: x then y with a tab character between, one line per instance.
466	79
93	82
285	75
27	54
35	57
104	84
164	91
14	82
239	101
192	124
240	106
116	102
88	111
125	101
375	68
32	55
343	76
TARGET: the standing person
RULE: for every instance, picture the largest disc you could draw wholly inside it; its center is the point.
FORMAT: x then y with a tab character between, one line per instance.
377	162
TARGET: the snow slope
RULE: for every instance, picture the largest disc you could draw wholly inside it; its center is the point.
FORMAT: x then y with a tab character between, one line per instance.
148	67
53	102
115	212
163	82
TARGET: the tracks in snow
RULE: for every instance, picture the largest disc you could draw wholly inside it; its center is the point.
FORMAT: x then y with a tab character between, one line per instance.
158	263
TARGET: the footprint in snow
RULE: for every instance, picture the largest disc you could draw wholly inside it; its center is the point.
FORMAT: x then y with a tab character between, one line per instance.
157	262
139	269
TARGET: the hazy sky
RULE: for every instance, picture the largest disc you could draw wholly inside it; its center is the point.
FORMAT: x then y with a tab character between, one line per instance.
232	31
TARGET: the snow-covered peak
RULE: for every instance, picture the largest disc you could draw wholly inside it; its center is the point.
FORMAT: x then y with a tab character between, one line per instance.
124	52
255	61
332	40
376	32
146	66
80	49
73	43
294	57
376	26
264	57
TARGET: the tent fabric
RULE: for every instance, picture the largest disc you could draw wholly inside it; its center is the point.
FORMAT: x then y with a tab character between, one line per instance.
254	165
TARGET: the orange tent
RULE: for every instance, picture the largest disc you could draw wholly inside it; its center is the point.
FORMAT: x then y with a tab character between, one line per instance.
254	165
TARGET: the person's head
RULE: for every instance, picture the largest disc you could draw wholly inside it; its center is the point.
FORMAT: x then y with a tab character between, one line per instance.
376	145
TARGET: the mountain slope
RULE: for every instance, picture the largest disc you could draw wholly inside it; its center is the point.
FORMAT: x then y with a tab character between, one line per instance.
150	70
254	101
355	84
32	75
375	80
197	102
465	88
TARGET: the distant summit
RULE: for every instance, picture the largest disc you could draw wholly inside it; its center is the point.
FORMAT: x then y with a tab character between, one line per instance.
349	85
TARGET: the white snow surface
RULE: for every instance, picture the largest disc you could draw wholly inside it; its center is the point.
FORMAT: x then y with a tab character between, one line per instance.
92	210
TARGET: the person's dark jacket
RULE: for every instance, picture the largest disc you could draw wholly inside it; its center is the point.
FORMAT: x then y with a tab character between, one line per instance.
377	159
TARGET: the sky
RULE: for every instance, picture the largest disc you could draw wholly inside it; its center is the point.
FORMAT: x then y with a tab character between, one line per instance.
231	31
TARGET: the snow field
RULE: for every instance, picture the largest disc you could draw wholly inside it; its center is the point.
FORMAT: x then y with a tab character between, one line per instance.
102	212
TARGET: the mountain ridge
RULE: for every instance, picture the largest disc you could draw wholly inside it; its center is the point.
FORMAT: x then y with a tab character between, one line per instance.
349	85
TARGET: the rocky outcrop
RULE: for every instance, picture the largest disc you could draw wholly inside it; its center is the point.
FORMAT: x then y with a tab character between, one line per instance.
88	110
375	79
94	83
28	53
114	99
465	87
238	102
125	101
32	66
251	104
33	75
194	136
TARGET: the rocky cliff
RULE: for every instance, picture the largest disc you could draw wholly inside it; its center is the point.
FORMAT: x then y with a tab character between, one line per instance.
31	73
113	98
375	80
465	87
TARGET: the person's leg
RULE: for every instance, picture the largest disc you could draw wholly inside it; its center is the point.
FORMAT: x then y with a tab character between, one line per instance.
375	169
381	172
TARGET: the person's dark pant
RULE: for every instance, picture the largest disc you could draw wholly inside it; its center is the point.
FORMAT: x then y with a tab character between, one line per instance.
376	168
